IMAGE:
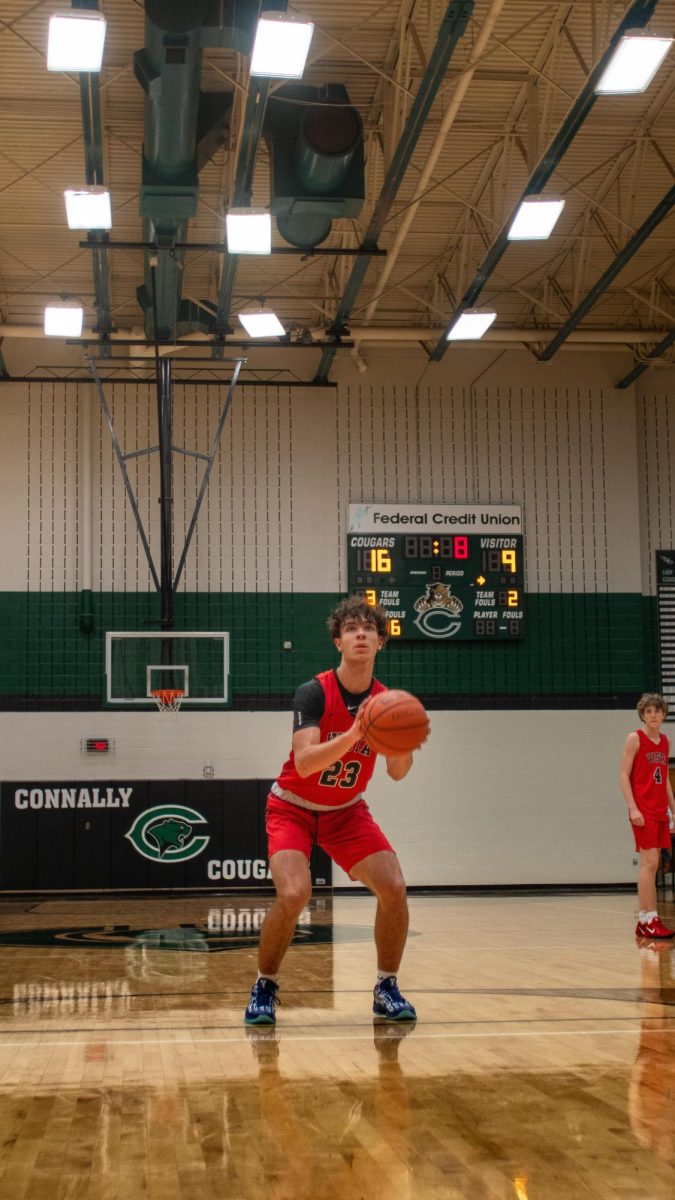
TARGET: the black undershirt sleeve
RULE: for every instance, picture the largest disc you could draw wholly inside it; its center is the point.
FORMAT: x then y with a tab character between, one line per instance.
308	705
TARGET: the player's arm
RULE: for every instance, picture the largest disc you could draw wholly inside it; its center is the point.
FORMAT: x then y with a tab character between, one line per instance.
627	759
398	765
311	755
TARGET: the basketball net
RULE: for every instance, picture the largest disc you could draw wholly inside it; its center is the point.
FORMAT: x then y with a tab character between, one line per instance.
168	700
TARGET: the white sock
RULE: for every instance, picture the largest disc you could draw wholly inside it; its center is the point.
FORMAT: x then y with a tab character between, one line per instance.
649	916
382	975
272	978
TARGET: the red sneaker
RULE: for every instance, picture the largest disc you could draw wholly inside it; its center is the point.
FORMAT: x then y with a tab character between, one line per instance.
653	929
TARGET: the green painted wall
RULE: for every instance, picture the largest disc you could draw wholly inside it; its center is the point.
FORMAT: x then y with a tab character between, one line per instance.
603	647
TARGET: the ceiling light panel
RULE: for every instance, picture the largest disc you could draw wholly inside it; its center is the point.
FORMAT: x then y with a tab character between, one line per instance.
633	65
88	208
281	46
471	325
75	41
535	219
63	320
262	324
249	231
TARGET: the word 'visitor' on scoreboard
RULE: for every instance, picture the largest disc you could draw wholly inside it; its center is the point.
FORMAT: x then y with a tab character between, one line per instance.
440	572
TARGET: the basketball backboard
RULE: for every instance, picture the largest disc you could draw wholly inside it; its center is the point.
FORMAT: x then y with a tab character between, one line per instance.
138	664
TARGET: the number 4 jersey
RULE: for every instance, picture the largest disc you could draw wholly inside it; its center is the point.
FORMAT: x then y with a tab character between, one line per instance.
345	780
648	776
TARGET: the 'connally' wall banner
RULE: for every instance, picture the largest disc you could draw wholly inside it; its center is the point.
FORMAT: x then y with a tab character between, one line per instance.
128	834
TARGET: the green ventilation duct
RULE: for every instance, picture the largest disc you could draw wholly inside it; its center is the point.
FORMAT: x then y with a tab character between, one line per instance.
183	129
315	139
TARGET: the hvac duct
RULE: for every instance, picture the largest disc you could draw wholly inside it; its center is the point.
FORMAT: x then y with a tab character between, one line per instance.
315	139
183	128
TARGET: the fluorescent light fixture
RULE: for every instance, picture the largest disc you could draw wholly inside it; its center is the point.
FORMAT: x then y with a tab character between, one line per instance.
75	41
88	208
633	64
281	46
470	325
249	231
63	320
535	218
262	324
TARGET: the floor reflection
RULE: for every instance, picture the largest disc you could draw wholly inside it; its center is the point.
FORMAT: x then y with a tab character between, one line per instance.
538	1069
652	1088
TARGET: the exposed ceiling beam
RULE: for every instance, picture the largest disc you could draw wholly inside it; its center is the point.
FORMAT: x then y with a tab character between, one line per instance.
637	16
447	121
655	217
452	27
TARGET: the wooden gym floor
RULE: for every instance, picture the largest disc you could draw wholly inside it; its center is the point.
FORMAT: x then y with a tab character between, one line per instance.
542	1065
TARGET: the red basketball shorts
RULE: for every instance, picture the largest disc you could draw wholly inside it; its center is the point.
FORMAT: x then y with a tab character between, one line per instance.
652	835
348	835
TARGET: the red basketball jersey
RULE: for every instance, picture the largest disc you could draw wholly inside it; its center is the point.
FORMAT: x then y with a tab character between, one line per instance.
648	776
348	777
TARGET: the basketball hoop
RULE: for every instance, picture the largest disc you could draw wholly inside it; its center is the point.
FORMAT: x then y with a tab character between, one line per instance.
168	700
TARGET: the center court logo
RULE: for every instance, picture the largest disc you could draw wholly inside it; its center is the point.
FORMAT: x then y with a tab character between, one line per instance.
166	833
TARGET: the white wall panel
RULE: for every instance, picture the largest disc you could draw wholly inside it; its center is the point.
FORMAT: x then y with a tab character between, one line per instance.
656	451
290	461
493	798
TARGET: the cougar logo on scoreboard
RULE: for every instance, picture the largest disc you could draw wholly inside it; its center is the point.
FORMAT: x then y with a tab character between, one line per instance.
165	833
438	610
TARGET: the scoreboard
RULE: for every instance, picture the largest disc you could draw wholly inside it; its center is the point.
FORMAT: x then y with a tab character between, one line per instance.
440	572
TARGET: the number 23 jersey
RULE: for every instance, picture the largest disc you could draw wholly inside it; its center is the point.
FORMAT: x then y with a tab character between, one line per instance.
649	774
345	779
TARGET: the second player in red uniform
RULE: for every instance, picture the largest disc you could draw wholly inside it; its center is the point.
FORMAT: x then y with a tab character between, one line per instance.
645	785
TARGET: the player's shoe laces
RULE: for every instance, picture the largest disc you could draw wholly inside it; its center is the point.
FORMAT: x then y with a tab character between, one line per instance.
260	1010
653	929
389	1004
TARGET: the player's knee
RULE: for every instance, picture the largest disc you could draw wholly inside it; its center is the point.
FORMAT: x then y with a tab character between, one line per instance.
392	892
294	895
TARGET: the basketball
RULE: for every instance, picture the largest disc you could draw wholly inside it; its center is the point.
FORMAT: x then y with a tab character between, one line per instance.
394	722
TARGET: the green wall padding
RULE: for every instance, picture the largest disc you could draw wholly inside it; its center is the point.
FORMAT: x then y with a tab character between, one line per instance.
600	646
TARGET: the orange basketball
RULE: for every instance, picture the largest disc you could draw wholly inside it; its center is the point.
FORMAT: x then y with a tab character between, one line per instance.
395	722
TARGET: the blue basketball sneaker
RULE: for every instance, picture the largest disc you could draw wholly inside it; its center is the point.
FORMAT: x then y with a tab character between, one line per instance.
389	1004
260	1010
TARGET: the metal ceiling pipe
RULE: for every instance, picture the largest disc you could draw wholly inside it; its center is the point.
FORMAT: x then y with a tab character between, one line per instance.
582	337
368	333
640	367
436	150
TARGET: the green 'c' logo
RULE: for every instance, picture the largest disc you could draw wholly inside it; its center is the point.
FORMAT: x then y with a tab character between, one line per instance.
165	833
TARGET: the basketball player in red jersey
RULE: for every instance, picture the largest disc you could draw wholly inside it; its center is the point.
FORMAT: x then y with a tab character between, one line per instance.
646	789
318	798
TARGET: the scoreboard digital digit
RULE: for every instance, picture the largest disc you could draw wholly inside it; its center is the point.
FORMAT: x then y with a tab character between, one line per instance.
441	573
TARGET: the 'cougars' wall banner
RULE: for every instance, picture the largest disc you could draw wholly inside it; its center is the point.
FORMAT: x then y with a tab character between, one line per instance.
57	835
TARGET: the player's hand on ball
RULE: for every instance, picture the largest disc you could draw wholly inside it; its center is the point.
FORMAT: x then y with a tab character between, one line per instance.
394	723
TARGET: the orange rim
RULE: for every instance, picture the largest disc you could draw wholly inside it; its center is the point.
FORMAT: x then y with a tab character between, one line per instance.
168	698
